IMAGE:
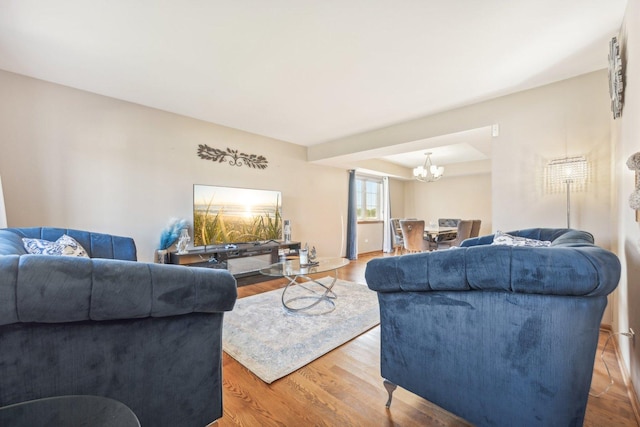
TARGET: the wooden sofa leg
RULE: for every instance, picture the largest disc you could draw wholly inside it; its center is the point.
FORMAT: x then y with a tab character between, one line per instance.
390	389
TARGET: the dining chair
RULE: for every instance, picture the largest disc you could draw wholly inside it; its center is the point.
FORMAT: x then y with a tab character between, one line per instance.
413	236
396	232
475	228
464	232
446	238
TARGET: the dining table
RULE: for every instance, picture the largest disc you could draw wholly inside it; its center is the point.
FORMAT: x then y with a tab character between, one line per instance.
432	233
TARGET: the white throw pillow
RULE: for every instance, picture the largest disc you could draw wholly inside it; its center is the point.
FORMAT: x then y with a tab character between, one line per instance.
64	246
71	247
501	238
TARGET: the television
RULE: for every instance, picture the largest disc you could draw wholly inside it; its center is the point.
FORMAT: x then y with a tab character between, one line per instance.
224	215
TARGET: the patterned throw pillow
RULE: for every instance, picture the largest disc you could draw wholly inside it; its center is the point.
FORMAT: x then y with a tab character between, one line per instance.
501	238
41	247
71	247
65	245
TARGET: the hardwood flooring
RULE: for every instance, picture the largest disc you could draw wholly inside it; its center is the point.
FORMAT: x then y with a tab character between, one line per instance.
344	387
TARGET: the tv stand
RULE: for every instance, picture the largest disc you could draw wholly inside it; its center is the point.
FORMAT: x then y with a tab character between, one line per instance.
241	259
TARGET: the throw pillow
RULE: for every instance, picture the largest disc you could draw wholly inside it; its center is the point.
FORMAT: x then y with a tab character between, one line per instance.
65	245
501	238
71	247
41	247
574	237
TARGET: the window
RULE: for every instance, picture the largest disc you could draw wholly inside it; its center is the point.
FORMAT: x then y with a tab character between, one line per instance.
369	194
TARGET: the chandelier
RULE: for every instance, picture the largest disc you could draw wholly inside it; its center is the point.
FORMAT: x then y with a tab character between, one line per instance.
428	172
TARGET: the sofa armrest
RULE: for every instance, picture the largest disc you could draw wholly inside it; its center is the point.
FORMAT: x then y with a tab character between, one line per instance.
40	288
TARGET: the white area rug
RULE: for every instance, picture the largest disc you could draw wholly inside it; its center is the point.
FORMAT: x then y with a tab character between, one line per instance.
271	342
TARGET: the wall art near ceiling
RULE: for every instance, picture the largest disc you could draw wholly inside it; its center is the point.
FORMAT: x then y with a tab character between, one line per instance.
234	157
616	84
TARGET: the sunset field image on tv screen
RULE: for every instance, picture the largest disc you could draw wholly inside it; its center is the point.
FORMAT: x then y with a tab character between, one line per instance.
235	215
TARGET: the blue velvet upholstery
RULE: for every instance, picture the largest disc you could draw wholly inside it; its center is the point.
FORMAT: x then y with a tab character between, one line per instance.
148	335
499	335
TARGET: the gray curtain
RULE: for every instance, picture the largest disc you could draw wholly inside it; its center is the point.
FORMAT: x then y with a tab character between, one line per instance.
387	244
352	218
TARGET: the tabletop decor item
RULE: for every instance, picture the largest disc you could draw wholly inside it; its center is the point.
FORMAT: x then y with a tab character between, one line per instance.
308	257
304	255
168	237
235	158
183	241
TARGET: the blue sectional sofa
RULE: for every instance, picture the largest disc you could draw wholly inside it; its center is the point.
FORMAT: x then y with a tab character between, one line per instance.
499	335
147	335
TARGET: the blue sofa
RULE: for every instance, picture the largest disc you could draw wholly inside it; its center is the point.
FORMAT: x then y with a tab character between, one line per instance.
147	335
498	335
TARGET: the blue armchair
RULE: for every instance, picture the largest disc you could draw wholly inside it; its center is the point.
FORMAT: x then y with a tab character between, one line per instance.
498	335
147	335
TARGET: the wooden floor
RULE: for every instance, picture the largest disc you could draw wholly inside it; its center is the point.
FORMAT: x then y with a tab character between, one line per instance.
344	387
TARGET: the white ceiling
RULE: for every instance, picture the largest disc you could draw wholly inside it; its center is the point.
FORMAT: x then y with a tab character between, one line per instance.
467	146
306	72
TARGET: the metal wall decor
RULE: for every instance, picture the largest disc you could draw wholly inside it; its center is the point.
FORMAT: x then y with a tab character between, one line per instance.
234	157
616	85
633	163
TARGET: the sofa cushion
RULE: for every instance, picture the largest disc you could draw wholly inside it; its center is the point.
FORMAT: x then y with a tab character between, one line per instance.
574	238
65	245
11	244
501	238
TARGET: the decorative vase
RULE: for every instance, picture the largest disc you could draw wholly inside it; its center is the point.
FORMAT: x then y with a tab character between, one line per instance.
161	256
183	241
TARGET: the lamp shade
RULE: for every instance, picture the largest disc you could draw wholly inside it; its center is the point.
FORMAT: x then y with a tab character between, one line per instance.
568	170
567	174
3	212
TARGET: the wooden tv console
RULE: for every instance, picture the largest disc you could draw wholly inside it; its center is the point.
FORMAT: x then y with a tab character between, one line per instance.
225	256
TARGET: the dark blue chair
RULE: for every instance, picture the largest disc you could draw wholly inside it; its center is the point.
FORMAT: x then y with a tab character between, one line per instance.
147	335
498	335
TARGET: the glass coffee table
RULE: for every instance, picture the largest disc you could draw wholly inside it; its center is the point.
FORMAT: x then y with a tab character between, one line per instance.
316	292
64	411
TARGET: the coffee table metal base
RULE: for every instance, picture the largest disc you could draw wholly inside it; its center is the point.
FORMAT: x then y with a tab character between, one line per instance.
326	295
313	292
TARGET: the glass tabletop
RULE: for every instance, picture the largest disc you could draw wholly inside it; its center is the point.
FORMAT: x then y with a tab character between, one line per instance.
292	267
65	411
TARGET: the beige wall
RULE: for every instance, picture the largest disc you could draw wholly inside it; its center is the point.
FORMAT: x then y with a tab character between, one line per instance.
369	237
73	159
626	138
570	117
464	197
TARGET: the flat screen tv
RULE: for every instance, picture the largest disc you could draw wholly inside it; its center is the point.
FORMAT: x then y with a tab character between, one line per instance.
223	215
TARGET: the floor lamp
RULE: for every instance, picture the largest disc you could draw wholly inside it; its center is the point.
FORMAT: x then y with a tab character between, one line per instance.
3	212
565	173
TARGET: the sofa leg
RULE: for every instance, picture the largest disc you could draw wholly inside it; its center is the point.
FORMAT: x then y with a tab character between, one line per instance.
390	389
